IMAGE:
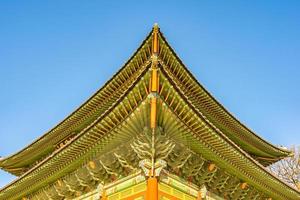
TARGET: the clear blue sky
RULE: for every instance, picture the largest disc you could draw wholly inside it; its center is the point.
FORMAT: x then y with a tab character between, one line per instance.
55	54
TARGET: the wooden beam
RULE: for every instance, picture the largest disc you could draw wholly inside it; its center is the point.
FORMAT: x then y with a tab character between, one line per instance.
153	112
154	79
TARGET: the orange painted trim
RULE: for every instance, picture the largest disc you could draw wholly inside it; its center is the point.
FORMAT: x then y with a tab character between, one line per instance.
152	189
155	41
154	80
104	196
153	88
158	88
153	111
199	196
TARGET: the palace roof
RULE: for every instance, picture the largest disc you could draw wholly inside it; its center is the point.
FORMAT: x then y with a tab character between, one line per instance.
109	118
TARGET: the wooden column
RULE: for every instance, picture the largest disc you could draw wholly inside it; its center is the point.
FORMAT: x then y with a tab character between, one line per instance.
152	189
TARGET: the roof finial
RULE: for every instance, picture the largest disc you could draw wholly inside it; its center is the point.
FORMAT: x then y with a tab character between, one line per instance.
155	26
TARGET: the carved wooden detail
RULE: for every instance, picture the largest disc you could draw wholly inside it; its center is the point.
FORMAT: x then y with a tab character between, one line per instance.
128	158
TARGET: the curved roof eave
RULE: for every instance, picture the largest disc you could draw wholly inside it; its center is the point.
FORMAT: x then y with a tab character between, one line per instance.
8	164
275	152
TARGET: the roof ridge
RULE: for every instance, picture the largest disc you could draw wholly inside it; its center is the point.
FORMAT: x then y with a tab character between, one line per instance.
225	138
81	134
87	137
49	133
283	152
